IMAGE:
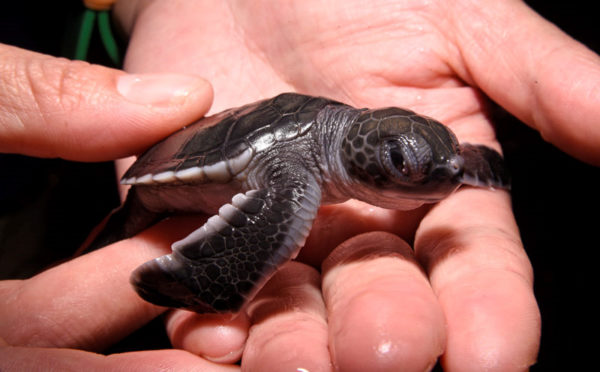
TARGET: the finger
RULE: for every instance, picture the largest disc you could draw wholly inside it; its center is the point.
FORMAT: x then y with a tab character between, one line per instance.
214	337
289	331
49	359
382	313
339	222
470	246
53	107
86	302
532	69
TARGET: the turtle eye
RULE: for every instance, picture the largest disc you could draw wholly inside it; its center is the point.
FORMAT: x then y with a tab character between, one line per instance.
398	161
407	158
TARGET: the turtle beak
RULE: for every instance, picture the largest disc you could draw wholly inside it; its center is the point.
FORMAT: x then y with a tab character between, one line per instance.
456	166
451	170
444	178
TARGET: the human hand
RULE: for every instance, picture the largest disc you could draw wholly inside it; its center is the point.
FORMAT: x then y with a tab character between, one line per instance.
435	58
52	107
57	319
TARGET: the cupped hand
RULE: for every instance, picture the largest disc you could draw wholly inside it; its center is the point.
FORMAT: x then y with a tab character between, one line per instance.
53	107
59	319
465	291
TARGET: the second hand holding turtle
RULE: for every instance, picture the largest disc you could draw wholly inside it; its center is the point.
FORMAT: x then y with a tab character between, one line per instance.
277	161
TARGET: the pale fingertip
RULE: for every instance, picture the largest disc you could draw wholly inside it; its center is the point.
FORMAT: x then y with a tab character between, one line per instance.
215	337
495	330
383	315
288	315
477	266
292	341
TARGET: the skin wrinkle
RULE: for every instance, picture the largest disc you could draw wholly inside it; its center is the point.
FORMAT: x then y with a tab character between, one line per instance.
479	237
474	46
46	85
300	318
540	122
11	96
494	252
463	38
291	300
21	75
266	337
42	88
539	113
63	333
42	331
354	34
250	46
279	318
443	74
441	247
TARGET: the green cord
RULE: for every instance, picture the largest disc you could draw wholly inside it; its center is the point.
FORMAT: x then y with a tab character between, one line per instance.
85	34
110	45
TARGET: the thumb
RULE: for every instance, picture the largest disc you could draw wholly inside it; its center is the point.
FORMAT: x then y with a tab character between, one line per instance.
536	71
53	107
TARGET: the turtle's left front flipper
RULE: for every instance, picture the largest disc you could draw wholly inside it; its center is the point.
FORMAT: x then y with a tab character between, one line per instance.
222	265
483	167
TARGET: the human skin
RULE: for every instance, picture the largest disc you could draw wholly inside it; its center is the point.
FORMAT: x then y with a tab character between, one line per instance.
52	107
463	291
477	310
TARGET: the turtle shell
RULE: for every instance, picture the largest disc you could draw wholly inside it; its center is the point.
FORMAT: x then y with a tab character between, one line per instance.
217	148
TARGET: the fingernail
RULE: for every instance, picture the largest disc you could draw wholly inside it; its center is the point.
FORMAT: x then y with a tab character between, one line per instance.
157	89
230	357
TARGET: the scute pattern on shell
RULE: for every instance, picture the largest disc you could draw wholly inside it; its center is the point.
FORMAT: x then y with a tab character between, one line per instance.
216	153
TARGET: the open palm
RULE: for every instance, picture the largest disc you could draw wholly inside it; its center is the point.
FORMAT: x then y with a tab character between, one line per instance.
466	291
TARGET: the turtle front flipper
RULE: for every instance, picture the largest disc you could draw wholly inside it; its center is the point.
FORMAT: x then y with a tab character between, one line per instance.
222	265
483	167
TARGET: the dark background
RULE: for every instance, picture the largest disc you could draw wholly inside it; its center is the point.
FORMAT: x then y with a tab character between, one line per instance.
48	206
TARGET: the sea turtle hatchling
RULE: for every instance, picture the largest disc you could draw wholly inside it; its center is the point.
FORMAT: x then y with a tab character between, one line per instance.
263	170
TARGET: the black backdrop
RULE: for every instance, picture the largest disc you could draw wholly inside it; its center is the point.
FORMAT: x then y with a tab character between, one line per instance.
48	206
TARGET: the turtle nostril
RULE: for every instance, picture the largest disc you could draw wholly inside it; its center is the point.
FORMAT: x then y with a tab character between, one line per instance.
456	164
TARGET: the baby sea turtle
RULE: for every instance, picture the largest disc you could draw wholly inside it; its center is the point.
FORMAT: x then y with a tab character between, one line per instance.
263	170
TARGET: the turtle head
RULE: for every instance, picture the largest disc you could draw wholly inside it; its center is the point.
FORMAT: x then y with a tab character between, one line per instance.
398	159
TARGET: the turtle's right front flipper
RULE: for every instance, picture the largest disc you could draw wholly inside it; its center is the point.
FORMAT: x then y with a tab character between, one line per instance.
483	167
222	265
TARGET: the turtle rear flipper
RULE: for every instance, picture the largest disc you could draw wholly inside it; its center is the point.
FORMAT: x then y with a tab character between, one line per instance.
483	167
222	265
129	219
